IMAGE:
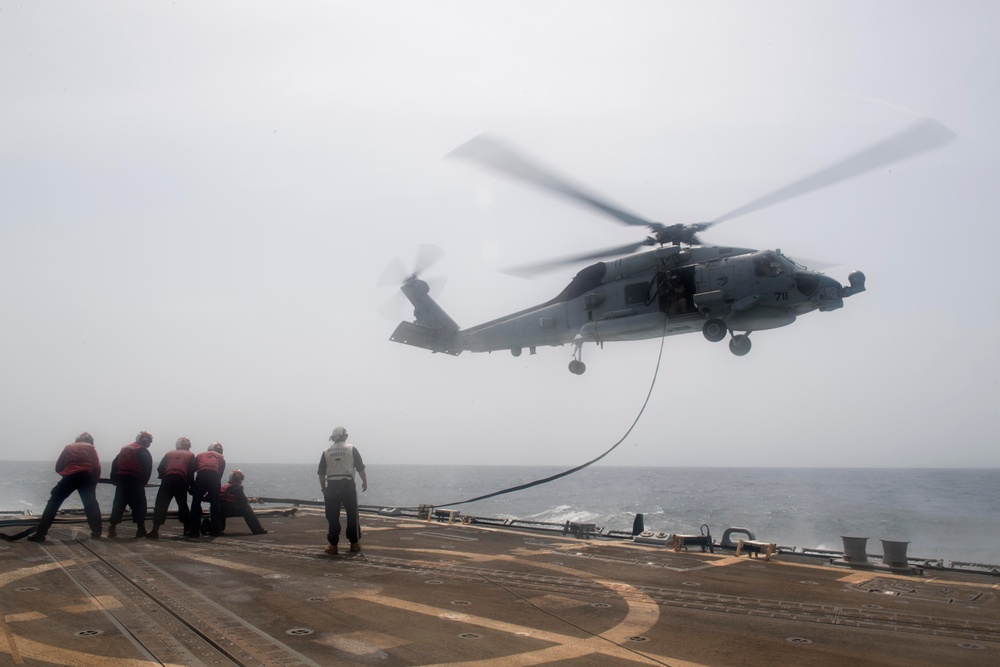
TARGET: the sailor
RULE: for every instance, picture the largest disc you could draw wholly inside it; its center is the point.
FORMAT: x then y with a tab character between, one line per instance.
80	469
209	467
676	296
336	479
130	472
176	470
235	503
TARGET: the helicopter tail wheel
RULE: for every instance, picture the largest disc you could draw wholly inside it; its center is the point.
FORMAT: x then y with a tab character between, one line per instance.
739	345
715	330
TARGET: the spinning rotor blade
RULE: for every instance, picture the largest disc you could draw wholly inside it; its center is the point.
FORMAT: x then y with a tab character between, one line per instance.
396	306
428	255
395	271
528	270
488	152
395	274
926	135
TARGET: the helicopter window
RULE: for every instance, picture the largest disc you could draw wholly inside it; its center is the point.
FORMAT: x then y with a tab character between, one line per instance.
636	293
586	280
767	264
789	262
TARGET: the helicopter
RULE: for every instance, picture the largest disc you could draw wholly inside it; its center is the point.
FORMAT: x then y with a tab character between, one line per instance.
677	286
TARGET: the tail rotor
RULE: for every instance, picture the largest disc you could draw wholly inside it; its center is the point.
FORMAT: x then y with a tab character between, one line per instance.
395	274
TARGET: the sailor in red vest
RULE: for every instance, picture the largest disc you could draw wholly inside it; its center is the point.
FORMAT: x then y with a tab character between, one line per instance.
235	503
80	469
209	467
130	472
336	479
176	470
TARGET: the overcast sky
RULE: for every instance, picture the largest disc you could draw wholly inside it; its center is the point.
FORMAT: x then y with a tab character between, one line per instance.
197	200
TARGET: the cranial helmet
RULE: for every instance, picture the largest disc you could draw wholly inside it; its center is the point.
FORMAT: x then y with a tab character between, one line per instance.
339	434
183	443
215	447
85	437
145	438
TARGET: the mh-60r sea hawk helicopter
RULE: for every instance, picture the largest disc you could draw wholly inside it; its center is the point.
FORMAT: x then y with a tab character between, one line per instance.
678	287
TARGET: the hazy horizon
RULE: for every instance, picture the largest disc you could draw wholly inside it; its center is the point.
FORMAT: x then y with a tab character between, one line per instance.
232	465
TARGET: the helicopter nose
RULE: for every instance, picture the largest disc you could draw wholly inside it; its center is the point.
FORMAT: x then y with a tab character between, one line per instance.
828	295
809	283
827	281
822	290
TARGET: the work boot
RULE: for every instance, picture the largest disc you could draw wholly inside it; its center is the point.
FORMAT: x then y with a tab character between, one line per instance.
355	546
95	534
154	534
141	530
332	549
113	530
262	531
38	537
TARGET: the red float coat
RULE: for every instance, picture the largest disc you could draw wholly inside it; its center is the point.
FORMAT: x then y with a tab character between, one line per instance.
210	461
78	457
128	460
234	495
178	462
132	461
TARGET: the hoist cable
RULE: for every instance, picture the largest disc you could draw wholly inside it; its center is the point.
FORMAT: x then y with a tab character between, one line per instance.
564	473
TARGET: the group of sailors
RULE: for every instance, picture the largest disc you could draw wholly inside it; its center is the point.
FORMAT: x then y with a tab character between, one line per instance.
181	472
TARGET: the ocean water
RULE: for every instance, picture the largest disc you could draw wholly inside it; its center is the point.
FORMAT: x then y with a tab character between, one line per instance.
948	514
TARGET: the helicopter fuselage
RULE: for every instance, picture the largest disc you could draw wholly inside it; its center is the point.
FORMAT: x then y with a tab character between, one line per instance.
662	292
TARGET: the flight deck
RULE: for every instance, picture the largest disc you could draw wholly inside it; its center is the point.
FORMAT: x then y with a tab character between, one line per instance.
434	592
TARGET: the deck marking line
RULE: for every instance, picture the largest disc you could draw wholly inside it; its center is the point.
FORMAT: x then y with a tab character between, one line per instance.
593	644
60	656
9	578
228	564
11	641
446	536
25	616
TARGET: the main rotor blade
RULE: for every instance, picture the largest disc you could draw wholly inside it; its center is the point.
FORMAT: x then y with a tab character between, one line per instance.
492	154
926	135
528	270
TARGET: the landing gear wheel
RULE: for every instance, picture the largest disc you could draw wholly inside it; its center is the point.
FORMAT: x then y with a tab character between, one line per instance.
577	367
739	345
715	330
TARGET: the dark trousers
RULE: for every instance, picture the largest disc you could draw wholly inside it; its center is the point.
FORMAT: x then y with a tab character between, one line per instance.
132	492
207	486
342	492
172	487
253	523
86	484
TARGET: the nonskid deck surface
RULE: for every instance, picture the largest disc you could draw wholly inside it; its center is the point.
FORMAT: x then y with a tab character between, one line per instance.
429	593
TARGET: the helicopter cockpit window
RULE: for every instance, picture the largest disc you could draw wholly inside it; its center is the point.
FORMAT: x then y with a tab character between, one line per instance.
586	280
766	264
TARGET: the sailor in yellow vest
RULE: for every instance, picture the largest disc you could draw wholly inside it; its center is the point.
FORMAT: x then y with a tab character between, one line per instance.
336	479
